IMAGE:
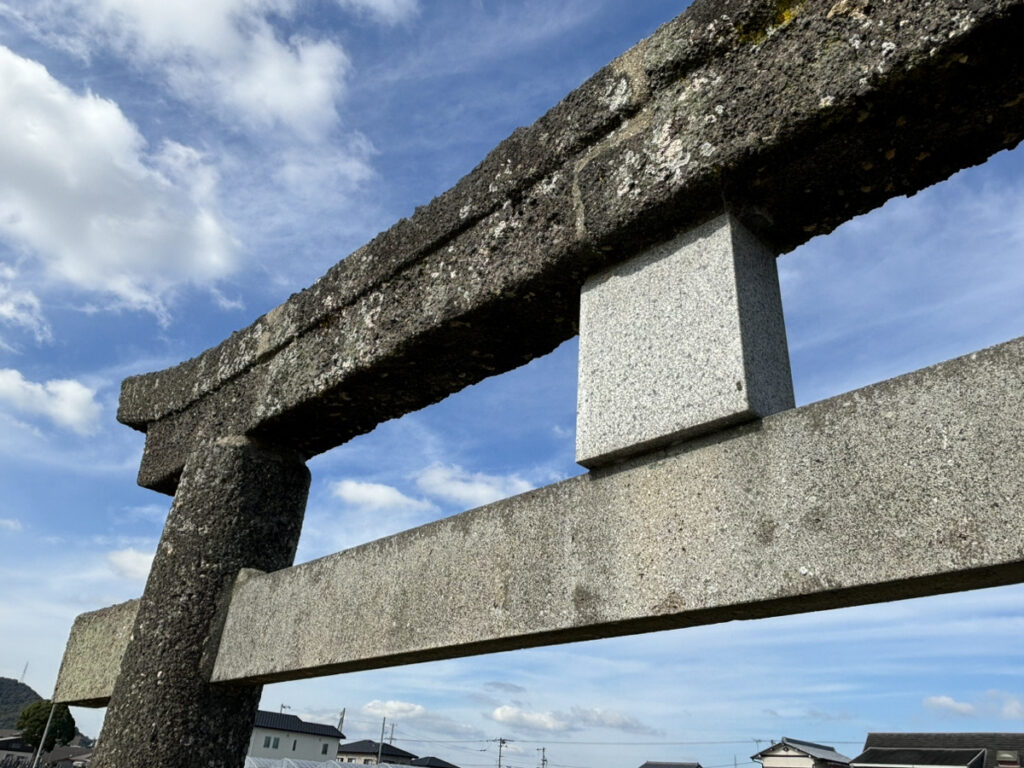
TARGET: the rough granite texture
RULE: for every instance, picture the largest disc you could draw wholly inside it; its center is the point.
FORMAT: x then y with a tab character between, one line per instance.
684	339
239	505
910	487
92	657
796	116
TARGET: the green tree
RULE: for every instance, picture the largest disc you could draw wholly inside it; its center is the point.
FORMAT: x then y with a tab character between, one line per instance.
32	722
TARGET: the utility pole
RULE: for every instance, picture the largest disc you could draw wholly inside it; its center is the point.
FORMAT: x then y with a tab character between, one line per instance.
23	673
501	745
544	758
341	720
391	738
283	708
380	744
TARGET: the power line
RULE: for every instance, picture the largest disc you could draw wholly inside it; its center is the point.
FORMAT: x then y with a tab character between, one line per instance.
597	743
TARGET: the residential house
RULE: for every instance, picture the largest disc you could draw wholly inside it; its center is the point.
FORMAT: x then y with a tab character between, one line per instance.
15	752
277	735
67	757
942	750
365	753
796	753
432	762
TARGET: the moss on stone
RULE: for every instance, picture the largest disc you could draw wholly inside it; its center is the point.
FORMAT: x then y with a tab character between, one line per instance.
784	13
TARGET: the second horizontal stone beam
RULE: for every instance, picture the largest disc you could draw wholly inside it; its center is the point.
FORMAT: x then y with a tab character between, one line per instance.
812	509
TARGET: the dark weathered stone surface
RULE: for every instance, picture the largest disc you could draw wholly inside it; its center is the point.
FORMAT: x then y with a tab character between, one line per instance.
797	114
240	505
910	487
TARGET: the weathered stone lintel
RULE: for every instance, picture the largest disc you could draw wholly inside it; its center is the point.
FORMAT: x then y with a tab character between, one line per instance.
910	487
583	118
725	104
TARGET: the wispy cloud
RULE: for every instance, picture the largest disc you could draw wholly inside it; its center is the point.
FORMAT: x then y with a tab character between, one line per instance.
949	704
21	308
484	34
130	563
454	484
583	717
10	524
1010	707
576	719
387	11
393	709
367	511
992	704
495	685
908	285
374	497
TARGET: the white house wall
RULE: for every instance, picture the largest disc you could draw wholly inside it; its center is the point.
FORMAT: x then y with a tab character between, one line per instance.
787	759
307	746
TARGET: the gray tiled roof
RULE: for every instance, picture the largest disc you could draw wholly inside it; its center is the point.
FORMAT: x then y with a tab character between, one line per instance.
990	742
652	764
432	762
819	751
281	722
973	756
369	747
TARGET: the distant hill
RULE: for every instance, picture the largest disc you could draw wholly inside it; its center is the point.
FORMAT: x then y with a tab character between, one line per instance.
14	697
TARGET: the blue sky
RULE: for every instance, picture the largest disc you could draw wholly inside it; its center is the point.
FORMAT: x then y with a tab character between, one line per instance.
169	171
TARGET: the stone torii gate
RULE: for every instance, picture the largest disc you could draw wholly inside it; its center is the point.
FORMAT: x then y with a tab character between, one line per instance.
659	191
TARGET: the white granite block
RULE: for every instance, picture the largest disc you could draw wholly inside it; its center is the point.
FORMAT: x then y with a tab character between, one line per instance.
683	340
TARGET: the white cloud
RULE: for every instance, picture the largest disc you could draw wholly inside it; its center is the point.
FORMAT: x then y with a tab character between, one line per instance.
949	704
372	497
387	11
81	194
453	483
10	524
995	704
606	718
536	721
130	563
496	685
1012	708
66	402
21	308
1002	704
308	173
149	513
226	55
393	709
577	718
266	82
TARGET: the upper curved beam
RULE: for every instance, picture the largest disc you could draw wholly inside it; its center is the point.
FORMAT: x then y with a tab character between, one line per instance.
796	115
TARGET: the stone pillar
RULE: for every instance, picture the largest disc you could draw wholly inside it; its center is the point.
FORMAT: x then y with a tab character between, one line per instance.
680	341
239	505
